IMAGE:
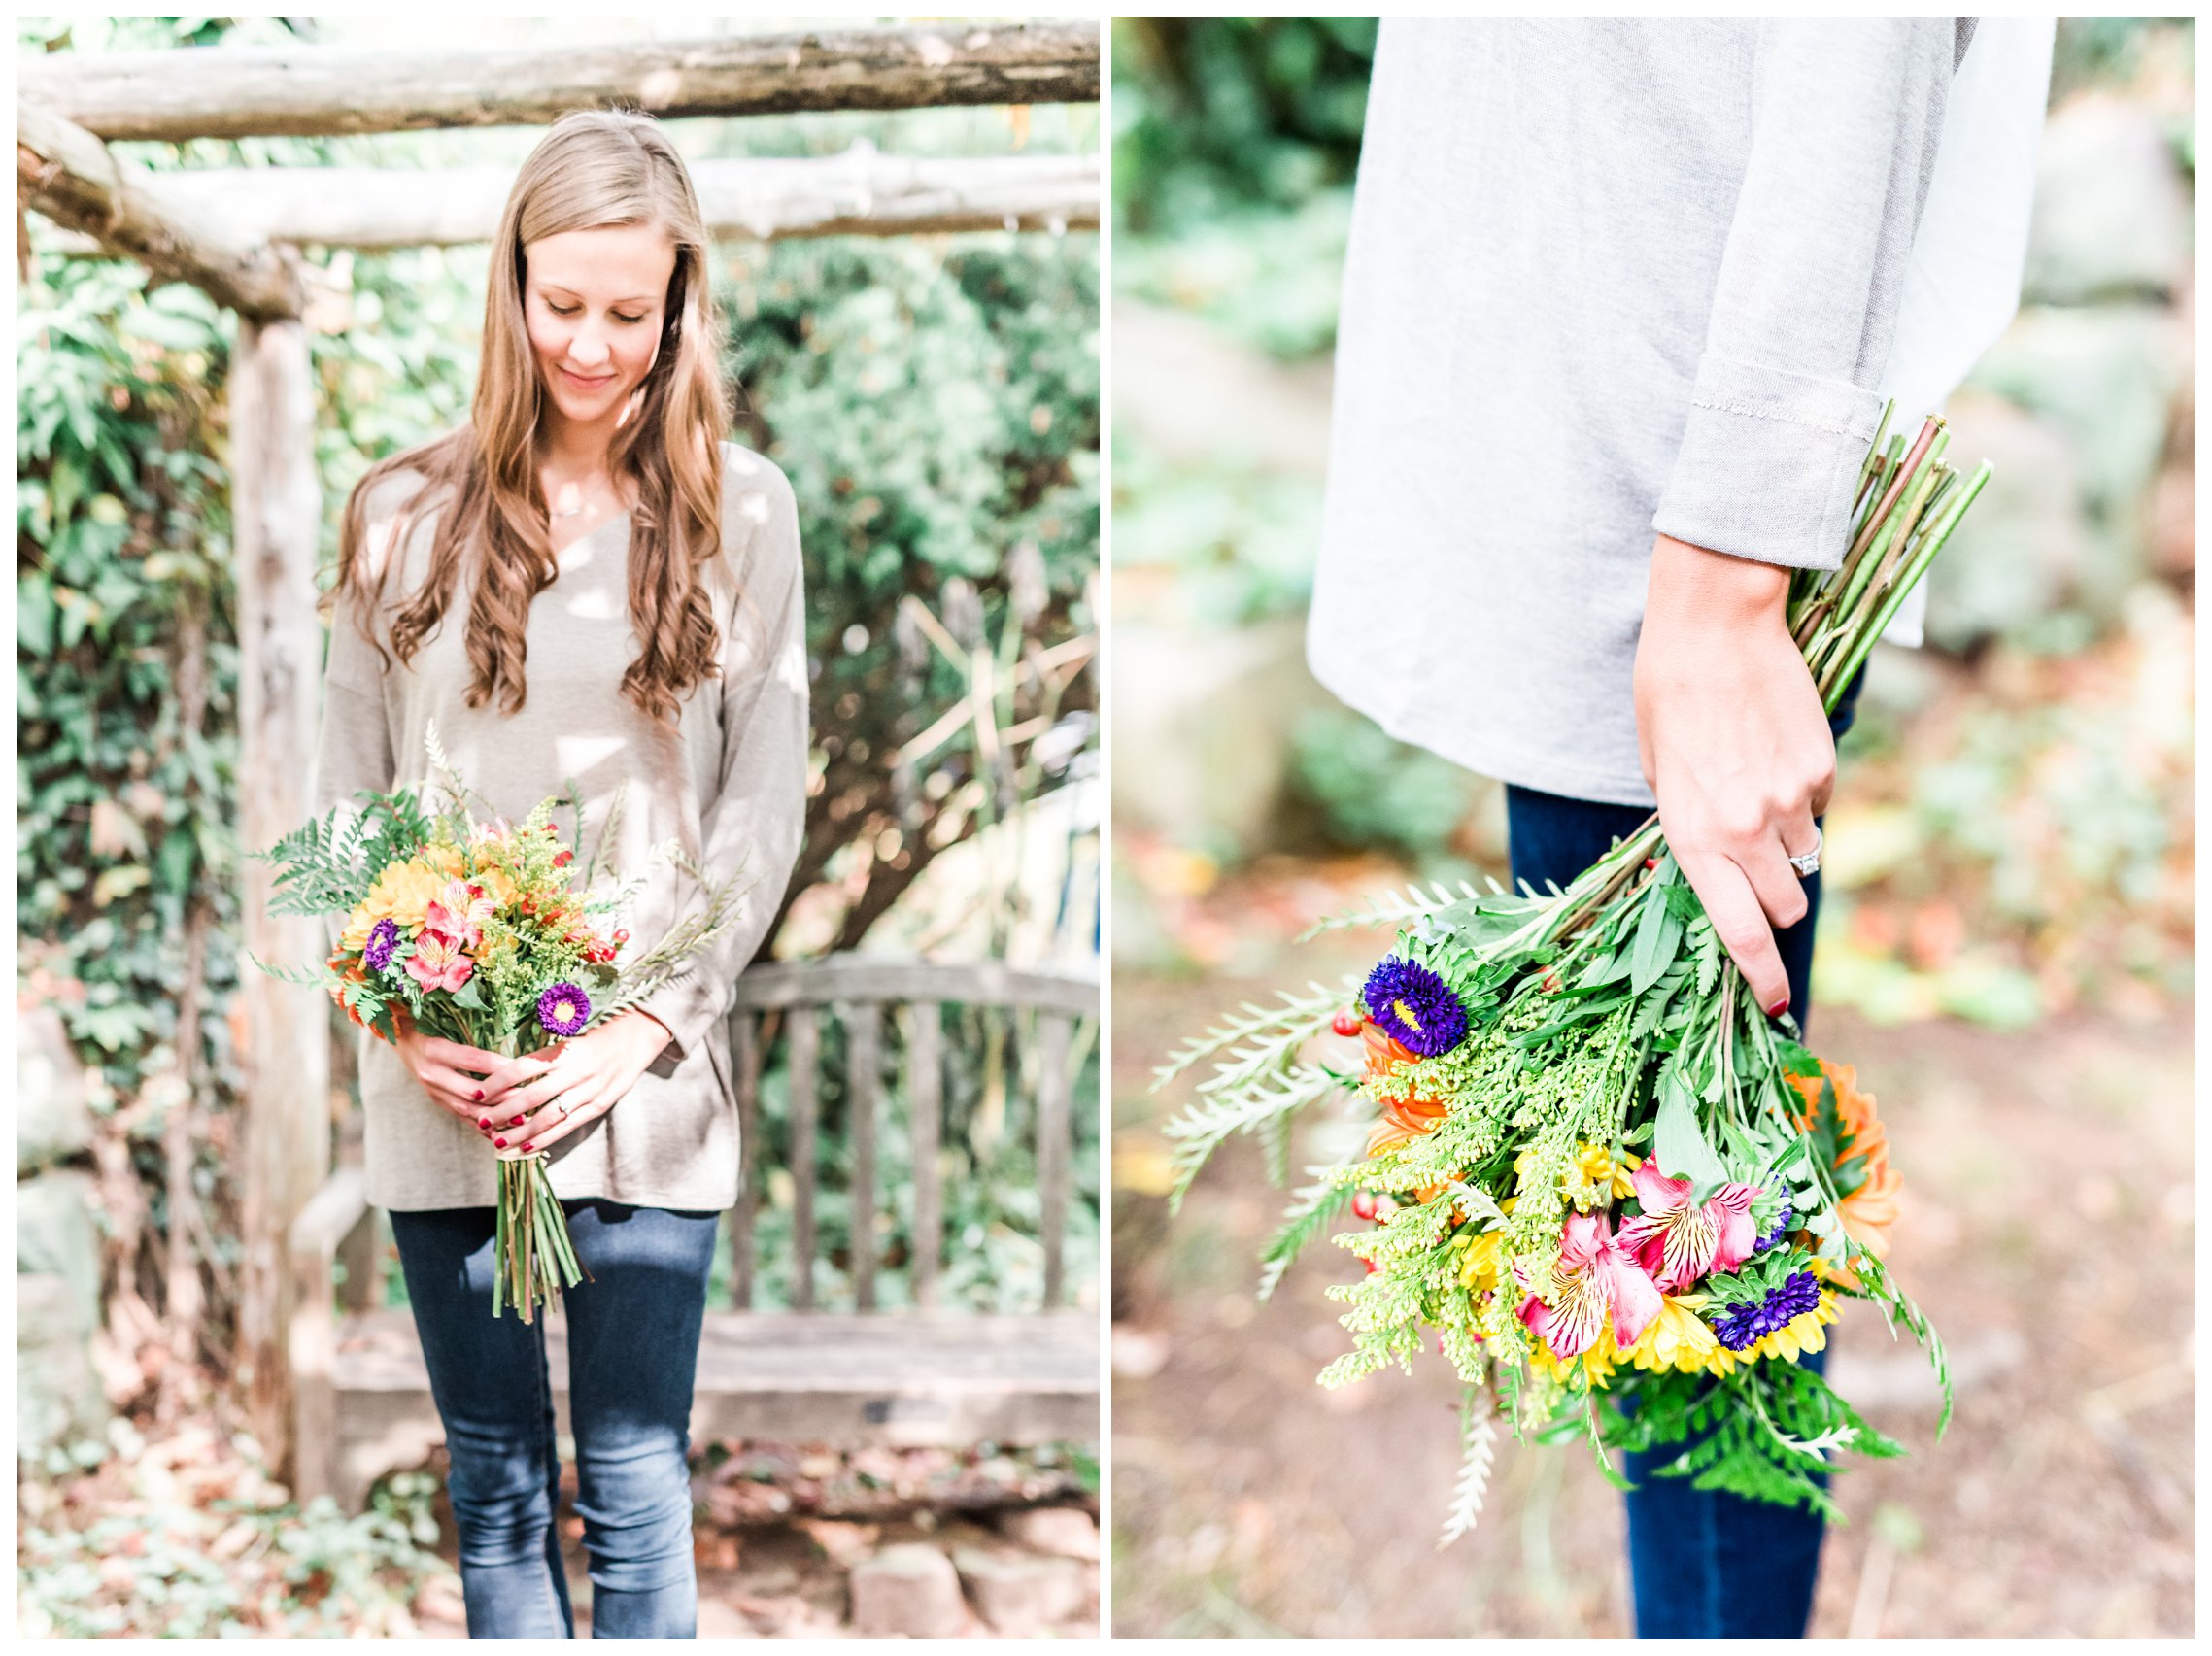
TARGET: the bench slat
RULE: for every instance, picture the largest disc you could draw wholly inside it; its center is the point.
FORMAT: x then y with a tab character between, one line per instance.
745	1067
925	1080
863	1083
805	1077
1055	1148
914	1378
873	977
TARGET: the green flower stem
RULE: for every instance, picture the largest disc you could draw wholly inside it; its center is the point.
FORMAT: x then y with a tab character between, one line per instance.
1932	543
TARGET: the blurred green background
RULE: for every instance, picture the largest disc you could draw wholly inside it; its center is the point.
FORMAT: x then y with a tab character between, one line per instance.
2006	949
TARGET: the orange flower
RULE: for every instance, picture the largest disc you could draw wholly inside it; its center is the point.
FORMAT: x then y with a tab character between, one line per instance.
1862	1153
1402	1118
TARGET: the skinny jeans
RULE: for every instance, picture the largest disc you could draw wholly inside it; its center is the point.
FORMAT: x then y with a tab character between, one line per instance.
633	1332
1703	1563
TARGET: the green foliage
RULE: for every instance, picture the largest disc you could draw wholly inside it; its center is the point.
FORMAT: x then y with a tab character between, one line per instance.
1216	112
156	1565
1241	540
1235	144
1371	789
1765	1432
936	408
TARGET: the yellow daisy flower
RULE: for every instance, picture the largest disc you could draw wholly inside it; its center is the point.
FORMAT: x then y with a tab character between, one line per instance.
1681	1339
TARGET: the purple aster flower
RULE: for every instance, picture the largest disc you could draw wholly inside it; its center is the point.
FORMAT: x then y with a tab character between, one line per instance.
1414	1007
383	939
563	1009
1741	1326
1782	1224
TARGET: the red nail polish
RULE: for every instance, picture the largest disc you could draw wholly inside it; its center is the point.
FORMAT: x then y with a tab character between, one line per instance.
530	1147
484	1121
517	1121
499	1143
1779	1007
479	1096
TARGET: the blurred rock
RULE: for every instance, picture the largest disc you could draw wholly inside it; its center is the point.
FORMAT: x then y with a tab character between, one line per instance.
2106	377
1018	1592
908	1591
1211	712
58	1397
2017	553
56	1236
53	1121
1191	393
2174	523
2112	208
1066	1530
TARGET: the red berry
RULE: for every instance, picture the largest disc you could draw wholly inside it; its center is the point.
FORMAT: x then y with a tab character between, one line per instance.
1347	1022
622	936
1651	862
1363	1204
563	858
1371	1267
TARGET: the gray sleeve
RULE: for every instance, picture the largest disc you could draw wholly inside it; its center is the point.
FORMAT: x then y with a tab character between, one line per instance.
355	753
1845	113
752	828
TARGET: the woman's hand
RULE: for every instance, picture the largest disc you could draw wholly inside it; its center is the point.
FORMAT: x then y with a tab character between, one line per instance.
1735	744
575	1084
459	1078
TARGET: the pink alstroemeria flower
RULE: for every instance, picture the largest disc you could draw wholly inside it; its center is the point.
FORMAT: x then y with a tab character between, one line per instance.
459	912
438	962
1596	1278
1678	1241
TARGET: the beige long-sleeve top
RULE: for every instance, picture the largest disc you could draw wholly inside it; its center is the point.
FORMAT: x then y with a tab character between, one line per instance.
1607	277
728	781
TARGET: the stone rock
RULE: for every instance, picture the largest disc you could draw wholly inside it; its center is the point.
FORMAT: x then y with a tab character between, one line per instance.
58	1398
1068	1532
2106	378
53	1121
1018	1592
57	1237
910	1590
2112	208
2018	553
1213	710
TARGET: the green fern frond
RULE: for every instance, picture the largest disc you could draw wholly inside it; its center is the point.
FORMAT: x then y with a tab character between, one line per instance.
1477	1448
1210	1122
1299	1019
1313	1209
1399	908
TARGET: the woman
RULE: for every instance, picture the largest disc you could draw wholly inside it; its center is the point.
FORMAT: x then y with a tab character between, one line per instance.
583	588
1622	299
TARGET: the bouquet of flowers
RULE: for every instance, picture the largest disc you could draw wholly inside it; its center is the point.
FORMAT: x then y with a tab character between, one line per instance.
475	931
1625	1201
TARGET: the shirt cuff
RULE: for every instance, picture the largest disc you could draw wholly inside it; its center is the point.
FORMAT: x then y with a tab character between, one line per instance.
1769	464
689	1009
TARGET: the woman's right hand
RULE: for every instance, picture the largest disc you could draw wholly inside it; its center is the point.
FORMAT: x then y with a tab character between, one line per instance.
463	1079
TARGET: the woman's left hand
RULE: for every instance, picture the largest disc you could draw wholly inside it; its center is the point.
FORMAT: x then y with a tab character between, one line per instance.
580	1080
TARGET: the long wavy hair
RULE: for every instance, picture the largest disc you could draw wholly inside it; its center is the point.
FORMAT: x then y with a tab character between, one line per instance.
594	168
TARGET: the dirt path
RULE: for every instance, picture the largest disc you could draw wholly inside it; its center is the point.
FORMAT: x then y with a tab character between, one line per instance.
2048	1229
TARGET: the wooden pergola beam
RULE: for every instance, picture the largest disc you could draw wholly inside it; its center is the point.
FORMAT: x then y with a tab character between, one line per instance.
68	175
304	91
859	193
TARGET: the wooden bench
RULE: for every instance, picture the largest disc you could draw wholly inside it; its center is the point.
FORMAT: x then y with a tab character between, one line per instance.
919	1375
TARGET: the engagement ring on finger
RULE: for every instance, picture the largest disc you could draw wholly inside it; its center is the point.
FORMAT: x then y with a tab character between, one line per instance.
1808	864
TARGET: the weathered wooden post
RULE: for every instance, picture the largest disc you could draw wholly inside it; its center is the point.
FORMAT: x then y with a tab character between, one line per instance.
280	1031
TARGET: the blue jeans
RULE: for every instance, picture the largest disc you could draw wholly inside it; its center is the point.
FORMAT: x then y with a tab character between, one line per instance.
1704	1563
634	1332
